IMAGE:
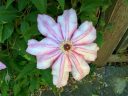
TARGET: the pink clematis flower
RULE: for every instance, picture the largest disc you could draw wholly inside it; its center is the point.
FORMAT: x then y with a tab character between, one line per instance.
2	66
65	48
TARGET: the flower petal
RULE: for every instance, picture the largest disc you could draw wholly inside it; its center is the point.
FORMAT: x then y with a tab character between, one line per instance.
46	60
80	68
47	45
48	27
60	71
89	51
2	66
68	22
85	34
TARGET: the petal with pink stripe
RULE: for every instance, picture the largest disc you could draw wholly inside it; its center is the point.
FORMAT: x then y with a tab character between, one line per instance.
48	27
68	22
88	51
80	68
45	46
85	34
60	70
46	60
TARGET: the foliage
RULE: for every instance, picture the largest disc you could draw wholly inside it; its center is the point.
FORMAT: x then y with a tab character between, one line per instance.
18	24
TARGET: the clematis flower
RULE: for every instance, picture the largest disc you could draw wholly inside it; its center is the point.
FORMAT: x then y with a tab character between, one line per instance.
2	66
66	48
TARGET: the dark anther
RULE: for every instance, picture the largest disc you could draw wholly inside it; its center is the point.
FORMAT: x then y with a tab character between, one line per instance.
67	47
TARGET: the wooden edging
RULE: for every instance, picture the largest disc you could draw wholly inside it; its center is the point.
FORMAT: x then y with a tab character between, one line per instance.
119	21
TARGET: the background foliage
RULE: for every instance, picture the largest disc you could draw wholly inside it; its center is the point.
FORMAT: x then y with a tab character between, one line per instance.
18	24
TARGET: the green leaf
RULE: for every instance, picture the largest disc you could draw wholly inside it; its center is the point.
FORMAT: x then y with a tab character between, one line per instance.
7	15
4	89
22	4
99	39
41	5
90	5
125	2
46	77
20	46
7	31
52	10
34	84
88	10
28	68
92	17
102	22
106	4
9	2
32	17
62	3
1	30
28	30
16	89
24	26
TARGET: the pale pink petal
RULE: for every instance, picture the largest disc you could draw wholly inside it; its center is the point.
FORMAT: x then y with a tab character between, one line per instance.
48	27
46	60
85	34
80	68
47	45
2	66
60	71
32	41
68	22
88	51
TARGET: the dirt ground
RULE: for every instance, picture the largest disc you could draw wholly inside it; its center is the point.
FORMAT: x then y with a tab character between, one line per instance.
106	81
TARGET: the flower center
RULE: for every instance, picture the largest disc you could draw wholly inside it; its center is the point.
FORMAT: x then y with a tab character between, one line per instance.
67	47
